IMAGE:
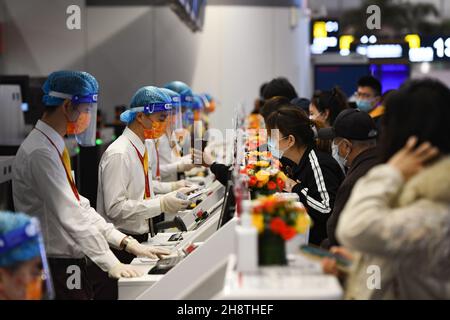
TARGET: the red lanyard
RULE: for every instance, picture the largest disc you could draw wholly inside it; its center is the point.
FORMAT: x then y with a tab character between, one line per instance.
158	172
147	194
68	174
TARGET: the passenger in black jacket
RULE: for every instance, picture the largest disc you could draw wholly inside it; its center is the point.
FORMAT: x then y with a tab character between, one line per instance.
354	136
314	175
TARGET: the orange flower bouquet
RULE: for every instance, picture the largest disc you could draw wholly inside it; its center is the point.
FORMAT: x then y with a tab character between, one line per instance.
264	179
277	221
255	138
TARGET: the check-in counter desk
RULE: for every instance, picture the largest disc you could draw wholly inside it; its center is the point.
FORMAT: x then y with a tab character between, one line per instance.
209	271
198	232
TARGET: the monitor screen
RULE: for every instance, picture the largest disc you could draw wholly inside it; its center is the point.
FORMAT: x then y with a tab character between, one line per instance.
228	205
344	76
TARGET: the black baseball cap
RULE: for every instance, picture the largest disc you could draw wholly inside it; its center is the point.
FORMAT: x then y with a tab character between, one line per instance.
351	124
302	103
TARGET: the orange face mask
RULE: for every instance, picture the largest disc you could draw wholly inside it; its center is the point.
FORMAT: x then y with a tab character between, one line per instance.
156	131
211	106
79	126
34	289
197	115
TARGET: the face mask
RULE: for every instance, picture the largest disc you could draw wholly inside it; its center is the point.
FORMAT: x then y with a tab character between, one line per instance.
364	105
80	125
34	289
276	153
156	131
335	153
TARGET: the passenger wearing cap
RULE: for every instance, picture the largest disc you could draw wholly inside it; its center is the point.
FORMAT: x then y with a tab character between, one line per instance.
43	185
24	273
354	135
126	195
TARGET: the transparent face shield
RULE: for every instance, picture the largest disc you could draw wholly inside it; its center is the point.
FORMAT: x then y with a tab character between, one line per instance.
159	118
175	130
187	119
84	125
34	275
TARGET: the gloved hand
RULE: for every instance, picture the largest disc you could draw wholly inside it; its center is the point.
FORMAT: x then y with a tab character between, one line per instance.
180	184
202	158
139	250
187	190
121	270
171	204
185	164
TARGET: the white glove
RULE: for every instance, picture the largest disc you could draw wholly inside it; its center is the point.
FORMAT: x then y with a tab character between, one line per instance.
180	184
171	204
202	158
139	250
121	270
185	164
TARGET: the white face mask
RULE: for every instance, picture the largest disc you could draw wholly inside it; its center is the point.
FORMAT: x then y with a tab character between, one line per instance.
335	153
277	153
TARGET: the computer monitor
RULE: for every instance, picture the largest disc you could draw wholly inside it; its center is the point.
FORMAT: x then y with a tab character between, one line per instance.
31	92
228	205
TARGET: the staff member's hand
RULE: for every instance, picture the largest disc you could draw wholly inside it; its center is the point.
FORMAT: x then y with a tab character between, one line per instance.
203	159
411	160
185	164
181	184
140	250
171	204
121	270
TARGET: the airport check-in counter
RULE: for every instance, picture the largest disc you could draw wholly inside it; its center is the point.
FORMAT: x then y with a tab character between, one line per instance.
198	232
209	272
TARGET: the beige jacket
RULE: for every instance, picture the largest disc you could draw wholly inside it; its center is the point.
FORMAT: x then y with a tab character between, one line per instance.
400	233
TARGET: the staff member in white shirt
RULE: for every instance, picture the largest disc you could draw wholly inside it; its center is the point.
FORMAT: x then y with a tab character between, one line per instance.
43	186
125	189
167	163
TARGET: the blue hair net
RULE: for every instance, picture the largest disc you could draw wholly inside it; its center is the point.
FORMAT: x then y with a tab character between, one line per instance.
68	82
198	102
182	89
28	250
207	96
144	96
172	94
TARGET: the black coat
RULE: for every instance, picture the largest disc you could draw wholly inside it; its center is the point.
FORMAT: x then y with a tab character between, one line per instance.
365	161
320	177
222	172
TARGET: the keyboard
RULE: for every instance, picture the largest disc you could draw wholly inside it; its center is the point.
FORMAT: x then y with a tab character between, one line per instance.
164	265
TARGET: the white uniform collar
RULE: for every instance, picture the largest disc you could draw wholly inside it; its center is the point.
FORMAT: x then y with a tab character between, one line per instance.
52	134
137	142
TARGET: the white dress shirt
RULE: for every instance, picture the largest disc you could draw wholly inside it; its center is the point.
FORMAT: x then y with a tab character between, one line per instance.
71	228
158	186
168	160
121	186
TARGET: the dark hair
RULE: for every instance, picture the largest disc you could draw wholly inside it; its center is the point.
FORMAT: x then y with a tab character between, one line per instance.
386	95
261	89
334	101
420	108
371	82
50	109
290	120
279	87
272	105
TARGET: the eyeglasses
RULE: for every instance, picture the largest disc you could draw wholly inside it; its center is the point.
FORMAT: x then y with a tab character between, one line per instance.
363	95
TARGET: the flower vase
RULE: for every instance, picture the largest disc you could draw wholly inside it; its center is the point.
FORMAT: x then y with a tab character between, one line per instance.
271	249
